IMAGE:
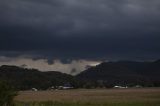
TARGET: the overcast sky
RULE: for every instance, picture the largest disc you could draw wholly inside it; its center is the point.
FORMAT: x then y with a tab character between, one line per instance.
82	32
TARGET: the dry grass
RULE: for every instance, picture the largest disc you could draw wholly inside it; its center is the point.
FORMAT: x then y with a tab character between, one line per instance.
99	96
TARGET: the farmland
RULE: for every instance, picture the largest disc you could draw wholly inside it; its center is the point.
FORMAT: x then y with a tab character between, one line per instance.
91	97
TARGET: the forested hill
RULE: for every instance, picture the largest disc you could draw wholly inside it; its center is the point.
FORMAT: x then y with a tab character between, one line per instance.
23	78
124	73
106	74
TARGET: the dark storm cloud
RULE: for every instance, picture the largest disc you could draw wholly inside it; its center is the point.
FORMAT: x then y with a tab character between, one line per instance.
80	29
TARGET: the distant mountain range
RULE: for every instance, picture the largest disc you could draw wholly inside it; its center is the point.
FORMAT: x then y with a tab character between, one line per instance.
106	74
23	78
124	73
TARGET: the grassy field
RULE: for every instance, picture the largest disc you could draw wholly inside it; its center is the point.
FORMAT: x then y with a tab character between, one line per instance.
93	97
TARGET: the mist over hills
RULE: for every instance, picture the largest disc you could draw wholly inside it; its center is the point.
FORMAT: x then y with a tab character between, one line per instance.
106	74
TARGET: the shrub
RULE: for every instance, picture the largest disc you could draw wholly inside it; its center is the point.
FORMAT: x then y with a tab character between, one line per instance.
7	94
